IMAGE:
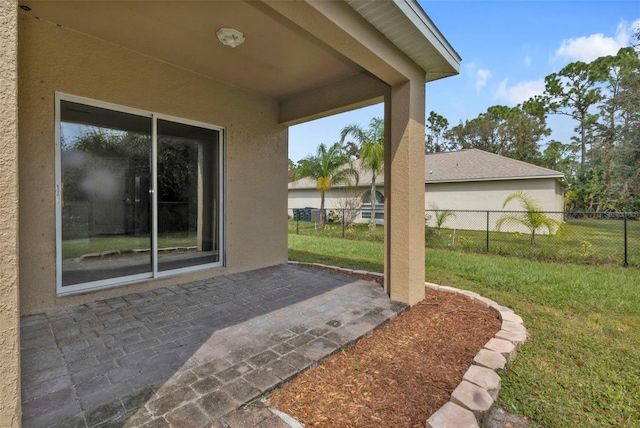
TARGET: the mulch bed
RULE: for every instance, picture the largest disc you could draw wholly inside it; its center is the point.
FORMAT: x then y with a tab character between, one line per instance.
397	376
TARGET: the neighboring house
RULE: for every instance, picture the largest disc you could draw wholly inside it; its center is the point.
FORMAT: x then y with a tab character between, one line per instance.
303	193
137	151
463	180
480	181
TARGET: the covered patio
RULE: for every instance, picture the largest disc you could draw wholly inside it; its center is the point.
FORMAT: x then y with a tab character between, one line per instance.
189	355
189	154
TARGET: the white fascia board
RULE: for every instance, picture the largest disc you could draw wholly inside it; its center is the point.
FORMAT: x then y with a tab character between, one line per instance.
407	26
425	25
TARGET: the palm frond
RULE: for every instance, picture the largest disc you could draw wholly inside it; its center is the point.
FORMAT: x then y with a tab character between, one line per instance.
372	156
511	219
532	218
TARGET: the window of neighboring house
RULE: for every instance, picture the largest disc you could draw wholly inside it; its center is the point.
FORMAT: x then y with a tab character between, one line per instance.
138	195
366	205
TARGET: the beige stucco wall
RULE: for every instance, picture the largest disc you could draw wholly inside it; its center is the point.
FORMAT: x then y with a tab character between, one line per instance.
489	196
54	59
404	191
559	199
9	304
479	195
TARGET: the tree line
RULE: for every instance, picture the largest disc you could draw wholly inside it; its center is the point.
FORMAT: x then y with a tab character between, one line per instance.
601	161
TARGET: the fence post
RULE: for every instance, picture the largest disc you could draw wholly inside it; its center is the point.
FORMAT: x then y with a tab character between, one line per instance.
343	221
298	225
625	241
487	231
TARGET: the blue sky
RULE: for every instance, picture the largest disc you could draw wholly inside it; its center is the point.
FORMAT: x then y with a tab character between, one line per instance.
507	49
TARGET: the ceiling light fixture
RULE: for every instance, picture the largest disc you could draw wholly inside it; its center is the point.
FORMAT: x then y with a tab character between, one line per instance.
230	37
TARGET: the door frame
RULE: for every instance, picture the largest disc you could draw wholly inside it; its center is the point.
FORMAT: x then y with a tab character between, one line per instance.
154	272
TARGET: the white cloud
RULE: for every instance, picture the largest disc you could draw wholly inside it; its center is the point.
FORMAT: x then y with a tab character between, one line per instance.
588	48
520	92
470	69
482	75
476	75
527	60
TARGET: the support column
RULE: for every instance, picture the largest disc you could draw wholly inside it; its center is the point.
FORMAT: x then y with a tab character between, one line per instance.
9	305
404	191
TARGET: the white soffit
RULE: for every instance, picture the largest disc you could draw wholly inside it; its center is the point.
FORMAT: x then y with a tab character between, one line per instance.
408	27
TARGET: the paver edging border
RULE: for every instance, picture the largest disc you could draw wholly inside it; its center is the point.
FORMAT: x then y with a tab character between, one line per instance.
494	356
481	377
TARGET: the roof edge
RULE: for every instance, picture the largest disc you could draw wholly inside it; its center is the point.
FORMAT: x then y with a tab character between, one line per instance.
559	177
442	61
419	18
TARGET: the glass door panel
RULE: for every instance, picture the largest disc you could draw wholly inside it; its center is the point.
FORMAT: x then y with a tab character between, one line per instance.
104	193
188	223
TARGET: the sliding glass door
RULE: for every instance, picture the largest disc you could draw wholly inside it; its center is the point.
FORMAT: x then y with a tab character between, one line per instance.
187	195
138	195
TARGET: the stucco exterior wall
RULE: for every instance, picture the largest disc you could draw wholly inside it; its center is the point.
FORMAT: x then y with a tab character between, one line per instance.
479	195
489	195
9	304
559	200
54	59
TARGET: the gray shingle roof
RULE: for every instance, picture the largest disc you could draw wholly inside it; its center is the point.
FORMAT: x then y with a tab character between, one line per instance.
462	165
476	165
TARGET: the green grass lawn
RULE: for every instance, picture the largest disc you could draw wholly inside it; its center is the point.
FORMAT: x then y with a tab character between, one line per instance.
584	241
359	231
76	248
582	365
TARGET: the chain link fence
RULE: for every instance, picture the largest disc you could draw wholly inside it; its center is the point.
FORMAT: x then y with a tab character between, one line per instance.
577	237
580	237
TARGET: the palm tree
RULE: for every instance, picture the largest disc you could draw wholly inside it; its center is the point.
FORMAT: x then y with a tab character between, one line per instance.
532	218
441	216
371	142
328	167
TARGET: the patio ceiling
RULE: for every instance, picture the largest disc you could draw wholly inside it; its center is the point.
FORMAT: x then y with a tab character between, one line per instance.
279	58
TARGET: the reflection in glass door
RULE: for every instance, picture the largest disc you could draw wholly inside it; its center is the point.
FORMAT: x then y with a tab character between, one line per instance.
138	196
187	196
104	193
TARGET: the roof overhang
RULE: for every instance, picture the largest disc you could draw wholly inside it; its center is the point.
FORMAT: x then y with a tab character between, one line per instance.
408	27
314	57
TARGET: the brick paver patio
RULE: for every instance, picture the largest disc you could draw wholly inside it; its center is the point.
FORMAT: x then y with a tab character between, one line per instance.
190	355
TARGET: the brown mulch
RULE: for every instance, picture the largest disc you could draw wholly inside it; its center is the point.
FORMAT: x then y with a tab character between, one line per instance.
397	376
